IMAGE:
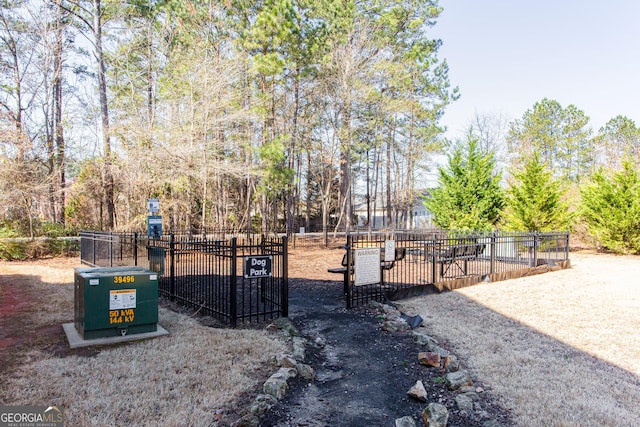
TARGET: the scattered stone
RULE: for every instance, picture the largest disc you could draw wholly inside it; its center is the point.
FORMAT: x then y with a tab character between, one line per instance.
467	389
418	392
286	326
390	311
472	395
405	422
429	359
320	342
464	403
248	420
276	385
437	349
288	372
429	342
299	345
284	360
482	414
395	325
435	415
457	379
479	390
375	305
423	338
491	423
262	404
450	363
306	371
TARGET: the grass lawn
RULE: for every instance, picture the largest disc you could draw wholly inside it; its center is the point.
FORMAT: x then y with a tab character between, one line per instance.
559	349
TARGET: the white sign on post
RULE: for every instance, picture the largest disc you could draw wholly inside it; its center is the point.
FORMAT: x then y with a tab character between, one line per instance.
389	250
367	266
153	205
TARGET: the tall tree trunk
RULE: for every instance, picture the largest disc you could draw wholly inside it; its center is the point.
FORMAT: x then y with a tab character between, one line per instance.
291	202
57	117
376	180
51	165
307	210
409	185
345	169
368	195
104	115
388	180
150	101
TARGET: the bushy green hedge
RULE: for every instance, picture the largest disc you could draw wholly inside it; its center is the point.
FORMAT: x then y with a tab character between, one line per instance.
15	249
22	228
611	209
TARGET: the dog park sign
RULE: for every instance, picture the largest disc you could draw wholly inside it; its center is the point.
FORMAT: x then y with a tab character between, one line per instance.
258	266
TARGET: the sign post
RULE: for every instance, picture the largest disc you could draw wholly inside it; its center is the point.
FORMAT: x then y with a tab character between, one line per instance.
154	222
153	206
154	226
389	250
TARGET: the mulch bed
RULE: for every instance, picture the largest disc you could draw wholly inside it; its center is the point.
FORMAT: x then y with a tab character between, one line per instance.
362	373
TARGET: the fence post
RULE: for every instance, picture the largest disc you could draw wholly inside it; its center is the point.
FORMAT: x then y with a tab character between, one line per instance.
434	254
233	309
536	242
347	274
172	268
492	267
135	248
285	278
110	249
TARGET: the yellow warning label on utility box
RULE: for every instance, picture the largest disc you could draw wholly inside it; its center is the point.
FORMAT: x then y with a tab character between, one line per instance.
122	299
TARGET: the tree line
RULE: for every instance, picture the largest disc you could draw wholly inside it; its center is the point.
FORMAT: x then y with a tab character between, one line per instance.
270	115
229	112
556	181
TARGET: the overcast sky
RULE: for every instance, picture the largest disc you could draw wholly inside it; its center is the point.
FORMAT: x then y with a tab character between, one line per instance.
505	55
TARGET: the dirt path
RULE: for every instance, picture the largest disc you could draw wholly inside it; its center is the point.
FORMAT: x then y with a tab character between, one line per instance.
363	373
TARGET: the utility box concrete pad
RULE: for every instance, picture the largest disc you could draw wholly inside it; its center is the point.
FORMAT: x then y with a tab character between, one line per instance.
115	301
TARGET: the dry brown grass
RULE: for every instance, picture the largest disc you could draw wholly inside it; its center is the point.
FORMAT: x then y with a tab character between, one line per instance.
558	349
183	379
177	380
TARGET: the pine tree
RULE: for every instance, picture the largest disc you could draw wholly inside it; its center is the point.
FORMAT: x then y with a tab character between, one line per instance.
560	134
468	195
611	209
534	200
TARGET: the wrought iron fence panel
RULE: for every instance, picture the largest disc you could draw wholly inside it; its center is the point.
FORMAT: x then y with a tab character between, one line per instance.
441	259
202	272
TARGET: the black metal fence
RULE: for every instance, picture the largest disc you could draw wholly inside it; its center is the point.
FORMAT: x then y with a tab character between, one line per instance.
447	260
210	275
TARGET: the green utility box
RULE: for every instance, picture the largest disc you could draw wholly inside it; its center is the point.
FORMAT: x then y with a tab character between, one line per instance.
115	301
